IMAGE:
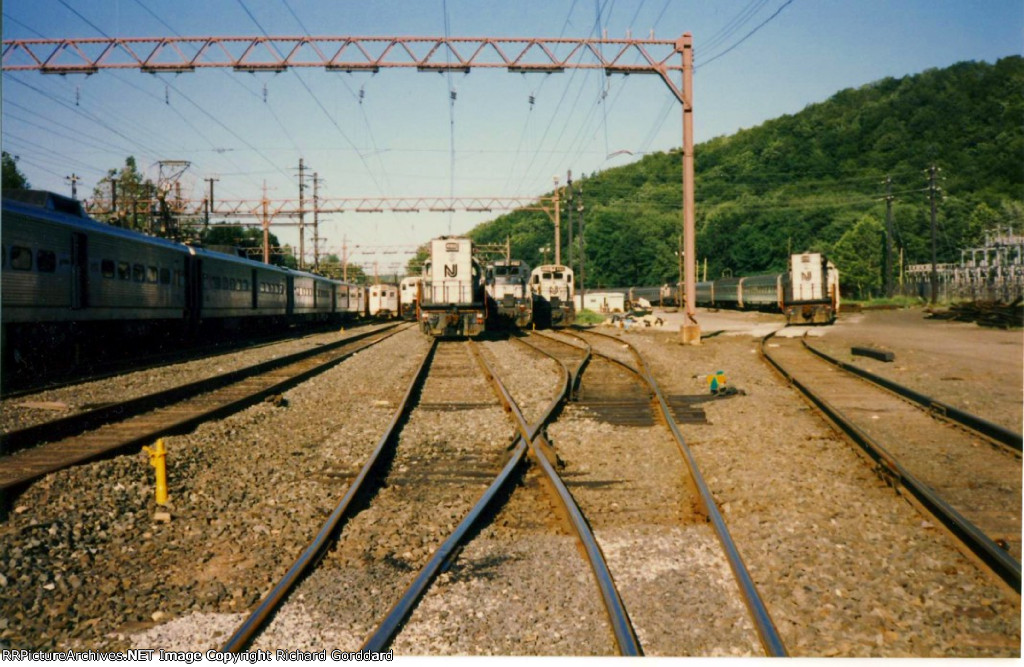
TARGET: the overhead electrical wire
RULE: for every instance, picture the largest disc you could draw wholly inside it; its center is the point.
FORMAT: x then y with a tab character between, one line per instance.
149	152
84	114
87	21
734	24
359	100
359	153
710	60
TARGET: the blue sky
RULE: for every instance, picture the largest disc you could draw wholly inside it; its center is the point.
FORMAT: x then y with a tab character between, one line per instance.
247	129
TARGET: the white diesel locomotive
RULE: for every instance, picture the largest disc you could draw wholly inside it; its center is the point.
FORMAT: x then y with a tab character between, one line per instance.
453	298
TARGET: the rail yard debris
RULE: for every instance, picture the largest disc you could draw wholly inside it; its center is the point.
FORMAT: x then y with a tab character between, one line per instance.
985	313
874	353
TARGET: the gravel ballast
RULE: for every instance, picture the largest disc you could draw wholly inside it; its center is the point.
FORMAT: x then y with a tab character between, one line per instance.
847	566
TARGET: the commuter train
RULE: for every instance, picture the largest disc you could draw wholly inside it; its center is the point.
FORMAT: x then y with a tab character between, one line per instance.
453	297
382	301
807	294
553	291
408	296
508	291
70	284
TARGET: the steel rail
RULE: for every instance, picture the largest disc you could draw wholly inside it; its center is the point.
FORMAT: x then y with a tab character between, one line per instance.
385	633
83	421
186	412
1005	566
771	641
331	527
575	374
622	627
983	427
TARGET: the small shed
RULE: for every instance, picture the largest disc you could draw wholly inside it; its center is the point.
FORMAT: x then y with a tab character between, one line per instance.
603	302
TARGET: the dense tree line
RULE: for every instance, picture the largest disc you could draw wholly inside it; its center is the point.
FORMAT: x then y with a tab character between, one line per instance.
814	180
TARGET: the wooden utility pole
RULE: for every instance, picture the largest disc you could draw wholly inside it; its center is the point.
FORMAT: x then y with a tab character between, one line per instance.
266	227
209	202
888	237
302	215
568	212
344	258
316	221
73	179
558	226
931	196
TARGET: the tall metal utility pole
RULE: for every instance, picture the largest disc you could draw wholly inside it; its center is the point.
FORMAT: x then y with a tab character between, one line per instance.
316	221
558	226
888	236
935	252
302	215
691	330
209	202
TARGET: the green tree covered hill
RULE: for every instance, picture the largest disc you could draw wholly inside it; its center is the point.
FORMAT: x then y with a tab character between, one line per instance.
814	180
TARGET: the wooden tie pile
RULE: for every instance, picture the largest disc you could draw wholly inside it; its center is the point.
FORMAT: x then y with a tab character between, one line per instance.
985	313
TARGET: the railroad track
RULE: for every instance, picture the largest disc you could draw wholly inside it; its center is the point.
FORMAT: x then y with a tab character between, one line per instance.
44	448
640	460
958	468
417	471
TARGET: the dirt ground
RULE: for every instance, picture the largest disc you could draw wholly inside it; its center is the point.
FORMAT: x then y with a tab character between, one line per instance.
974	368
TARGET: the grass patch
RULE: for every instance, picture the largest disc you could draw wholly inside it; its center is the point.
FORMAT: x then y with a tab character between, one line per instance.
894	302
586	316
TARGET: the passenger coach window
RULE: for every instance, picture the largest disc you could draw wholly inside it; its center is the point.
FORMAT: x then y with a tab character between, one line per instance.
107	268
138	273
124	272
21	258
151	274
46	261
